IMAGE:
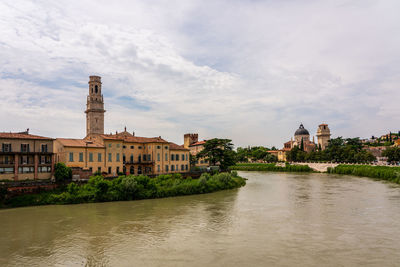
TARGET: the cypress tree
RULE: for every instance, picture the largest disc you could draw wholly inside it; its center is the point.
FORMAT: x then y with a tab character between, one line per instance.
390	137
302	145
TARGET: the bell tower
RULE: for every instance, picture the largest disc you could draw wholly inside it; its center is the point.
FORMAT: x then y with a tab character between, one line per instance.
94	108
323	135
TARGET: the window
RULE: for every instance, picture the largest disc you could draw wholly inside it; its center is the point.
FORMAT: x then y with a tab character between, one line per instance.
182	167
6	147
6	170
80	156
6	160
166	168
158	156
25	169
132	170
123	158
158	168
24	160
44	147
186	156
177	156
117	157
123	146
99	169
24	147
118	145
117	170
186	167
158	147
149	146
90	157
166	147
109	170
131	158
71	157
109	145
183	156
166	156
172	168
91	170
99	157
109	157
149	157
177	167
172	157
132	147
140	147
96	89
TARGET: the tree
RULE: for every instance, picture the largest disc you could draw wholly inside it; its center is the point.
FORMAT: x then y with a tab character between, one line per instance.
219	151
302	145
392	153
62	172
192	159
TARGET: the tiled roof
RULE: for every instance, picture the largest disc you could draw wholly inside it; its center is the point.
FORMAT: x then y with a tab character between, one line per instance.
23	136
78	143
199	143
173	146
134	139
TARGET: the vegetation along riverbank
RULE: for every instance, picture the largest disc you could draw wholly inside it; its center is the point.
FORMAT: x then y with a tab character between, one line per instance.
122	188
391	174
270	167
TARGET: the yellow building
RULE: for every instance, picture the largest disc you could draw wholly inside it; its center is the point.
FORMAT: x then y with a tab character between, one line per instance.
119	153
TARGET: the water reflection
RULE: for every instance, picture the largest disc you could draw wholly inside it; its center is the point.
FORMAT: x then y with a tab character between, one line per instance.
277	219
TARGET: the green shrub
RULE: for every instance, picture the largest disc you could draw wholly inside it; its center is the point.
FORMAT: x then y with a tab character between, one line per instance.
391	174
62	173
271	167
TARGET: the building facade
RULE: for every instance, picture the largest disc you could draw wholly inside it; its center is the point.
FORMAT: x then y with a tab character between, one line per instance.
119	153
24	156
191	142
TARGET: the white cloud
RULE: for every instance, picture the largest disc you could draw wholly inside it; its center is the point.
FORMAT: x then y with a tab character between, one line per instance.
248	70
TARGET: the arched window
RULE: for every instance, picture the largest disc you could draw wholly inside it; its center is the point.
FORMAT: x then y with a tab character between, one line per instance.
132	170
96	89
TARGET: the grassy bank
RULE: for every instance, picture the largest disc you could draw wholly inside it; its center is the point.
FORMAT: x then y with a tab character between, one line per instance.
270	167
129	188
391	174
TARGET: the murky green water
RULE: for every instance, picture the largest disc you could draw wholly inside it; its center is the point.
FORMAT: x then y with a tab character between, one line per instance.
278	219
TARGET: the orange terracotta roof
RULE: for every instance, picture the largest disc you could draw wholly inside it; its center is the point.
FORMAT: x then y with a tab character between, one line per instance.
23	136
134	139
78	143
199	143
173	146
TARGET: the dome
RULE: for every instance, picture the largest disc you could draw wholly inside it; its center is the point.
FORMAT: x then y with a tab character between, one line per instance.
301	131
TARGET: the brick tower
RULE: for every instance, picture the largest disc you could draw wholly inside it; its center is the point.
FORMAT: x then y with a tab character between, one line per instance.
190	138
94	108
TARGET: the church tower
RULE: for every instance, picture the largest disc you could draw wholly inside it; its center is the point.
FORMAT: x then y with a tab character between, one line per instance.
94	108
323	135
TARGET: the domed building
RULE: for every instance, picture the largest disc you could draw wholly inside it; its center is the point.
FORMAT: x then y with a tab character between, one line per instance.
301	134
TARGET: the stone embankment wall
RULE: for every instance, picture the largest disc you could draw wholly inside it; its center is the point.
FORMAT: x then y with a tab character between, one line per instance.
320	167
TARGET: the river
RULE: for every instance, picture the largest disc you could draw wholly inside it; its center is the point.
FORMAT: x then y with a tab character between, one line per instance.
277	219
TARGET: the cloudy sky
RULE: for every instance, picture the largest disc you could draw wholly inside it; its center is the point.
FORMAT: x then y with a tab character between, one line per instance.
247	70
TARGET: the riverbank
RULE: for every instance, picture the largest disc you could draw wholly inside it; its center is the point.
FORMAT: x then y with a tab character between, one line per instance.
270	167
391	174
123	188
